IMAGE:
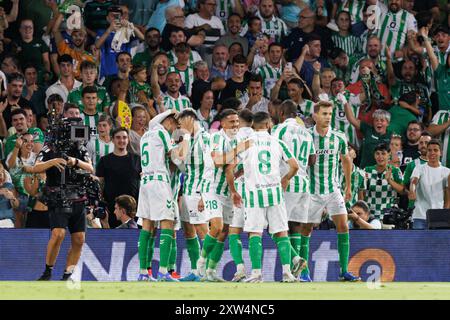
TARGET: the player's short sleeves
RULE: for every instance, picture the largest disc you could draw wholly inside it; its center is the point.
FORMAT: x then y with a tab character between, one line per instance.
286	154
217	143
343	148
166	140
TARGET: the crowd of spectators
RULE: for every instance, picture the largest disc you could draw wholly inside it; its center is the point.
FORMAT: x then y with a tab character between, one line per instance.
117	64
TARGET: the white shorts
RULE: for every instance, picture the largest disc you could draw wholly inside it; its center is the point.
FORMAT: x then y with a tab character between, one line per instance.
217	206
257	219
333	202
189	210
238	217
156	201
297	206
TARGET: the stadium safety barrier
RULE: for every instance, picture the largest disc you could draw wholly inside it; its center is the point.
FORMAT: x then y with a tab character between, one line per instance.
111	255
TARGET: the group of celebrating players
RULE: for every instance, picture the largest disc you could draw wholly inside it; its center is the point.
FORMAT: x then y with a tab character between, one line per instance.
247	177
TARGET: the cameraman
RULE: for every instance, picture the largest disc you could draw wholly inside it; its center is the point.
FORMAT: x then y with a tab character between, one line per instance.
360	218
50	162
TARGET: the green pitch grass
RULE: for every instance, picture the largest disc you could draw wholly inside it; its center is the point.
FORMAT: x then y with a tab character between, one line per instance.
56	290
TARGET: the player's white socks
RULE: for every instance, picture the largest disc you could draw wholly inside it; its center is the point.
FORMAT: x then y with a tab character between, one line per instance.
256	272
240	268
286	268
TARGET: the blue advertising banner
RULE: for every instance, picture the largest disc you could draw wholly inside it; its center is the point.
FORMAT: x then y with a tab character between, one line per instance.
111	255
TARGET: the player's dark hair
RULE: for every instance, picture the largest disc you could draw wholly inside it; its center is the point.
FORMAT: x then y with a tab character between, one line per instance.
382	147
128	203
226	113
435	142
239	59
120	129
187	113
246	115
89	89
18	111
260	117
65	58
288	109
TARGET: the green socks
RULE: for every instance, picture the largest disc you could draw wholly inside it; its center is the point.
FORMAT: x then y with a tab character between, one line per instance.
295	243
304	252
150	250
208	245
236	248
216	255
343	250
284	249
144	237
193	248
173	255
165	246
255	251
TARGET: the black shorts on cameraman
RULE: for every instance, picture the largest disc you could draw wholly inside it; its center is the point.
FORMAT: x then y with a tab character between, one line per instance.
73	219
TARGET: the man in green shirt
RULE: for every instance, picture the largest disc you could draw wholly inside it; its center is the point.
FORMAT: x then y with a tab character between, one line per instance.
19	121
88	77
152	42
402	116
373	134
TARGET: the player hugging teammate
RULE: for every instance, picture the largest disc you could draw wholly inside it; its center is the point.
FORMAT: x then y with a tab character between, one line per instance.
241	178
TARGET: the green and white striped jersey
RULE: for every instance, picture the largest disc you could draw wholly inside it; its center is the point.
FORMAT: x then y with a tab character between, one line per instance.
193	57
270	76
224	9
393	28
350	43
155	146
91	121
357	184
179	104
441	117
98	148
379	193
307	107
175	181
194	163
214	179
300	143
339	121
276	28
187	77
242	135
324	175
262	170
354	7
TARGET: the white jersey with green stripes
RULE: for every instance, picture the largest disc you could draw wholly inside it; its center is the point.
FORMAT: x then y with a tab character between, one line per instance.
324	175
354	7
155	146
91	121
223	9
262	170
307	107
214	179
300	143
194	56
179	104
243	134
187	77
350	43
441	117
195	166
98	148
339	121
270	77
393	28
275	27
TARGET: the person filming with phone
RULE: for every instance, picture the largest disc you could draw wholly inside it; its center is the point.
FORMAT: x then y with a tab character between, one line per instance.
359	217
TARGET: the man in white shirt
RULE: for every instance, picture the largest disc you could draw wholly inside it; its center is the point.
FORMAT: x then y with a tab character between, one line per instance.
429	185
66	81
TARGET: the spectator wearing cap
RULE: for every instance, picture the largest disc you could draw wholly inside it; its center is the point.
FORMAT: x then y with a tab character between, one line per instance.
30	49
66	82
233	35
88	77
76	48
310	54
298	37
114	39
13	100
152	47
